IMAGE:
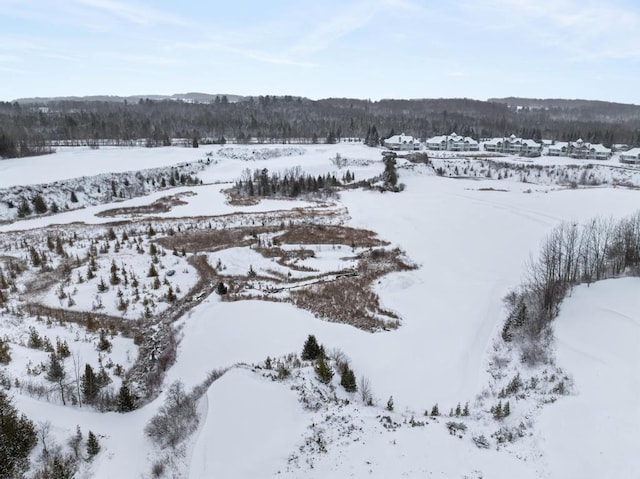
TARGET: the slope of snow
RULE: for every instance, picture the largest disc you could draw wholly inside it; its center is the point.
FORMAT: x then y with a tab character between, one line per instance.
594	432
251	427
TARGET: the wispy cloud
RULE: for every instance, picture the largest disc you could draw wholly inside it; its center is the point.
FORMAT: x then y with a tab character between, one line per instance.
586	29
347	20
258	55
134	13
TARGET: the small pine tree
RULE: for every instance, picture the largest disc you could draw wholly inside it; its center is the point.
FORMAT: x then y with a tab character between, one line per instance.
390	404
221	289
465	411
74	198
5	352
93	446
506	410
348	380
39	205
89	385
311	349
152	271
125	400
323	370
458	410
435	411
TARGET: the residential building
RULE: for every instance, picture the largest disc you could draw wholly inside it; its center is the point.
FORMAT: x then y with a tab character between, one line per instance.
630	156
513	146
580	150
453	142
402	142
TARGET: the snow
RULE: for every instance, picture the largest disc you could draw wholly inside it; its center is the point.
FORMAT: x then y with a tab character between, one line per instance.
69	162
242	435
593	433
471	247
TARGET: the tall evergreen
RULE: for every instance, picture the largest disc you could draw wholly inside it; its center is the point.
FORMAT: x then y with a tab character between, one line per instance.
125	400
311	349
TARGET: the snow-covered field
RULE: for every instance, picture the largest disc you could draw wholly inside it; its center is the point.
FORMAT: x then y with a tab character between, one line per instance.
471	240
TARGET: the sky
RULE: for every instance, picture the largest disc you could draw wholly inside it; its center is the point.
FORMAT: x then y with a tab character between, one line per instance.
318	49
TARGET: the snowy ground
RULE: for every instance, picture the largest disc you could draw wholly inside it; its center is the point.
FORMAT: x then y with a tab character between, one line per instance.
594	432
471	244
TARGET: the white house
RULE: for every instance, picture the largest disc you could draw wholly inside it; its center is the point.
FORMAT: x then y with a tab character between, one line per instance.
453	142
631	156
580	150
599	152
495	145
560	148
402	142
514	146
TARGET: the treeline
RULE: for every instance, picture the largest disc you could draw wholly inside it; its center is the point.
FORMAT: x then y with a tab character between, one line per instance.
292	183
288	119
571	255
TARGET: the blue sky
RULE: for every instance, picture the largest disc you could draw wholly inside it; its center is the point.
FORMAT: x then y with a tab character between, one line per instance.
362	49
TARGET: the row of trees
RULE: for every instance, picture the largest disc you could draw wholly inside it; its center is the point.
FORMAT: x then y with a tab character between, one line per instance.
291	183
571	254
27	128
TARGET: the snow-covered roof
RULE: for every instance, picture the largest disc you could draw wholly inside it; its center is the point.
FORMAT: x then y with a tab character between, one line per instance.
437	139
635	152
494	141
400	139
531	143
559	145
600	148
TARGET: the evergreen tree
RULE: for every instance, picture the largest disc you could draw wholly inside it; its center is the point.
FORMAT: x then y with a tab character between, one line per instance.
348	380
5	353
435	411
125	400
390	175
311	349
390	404
39	205
74	198
89	385
93	446
56	373
17	438
221	289
323	370
23	209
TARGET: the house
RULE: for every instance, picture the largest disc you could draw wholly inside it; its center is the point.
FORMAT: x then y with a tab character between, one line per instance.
513	146
620	147
453	142
402	142
560	148
630	156
437	143
599	152
494	145
580	150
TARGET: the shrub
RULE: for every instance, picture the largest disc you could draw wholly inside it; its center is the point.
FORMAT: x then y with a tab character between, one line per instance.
175	420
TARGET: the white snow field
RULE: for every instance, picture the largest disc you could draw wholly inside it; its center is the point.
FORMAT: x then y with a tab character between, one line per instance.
594	433
471	246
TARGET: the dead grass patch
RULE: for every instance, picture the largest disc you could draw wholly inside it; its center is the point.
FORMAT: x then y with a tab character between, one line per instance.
161	205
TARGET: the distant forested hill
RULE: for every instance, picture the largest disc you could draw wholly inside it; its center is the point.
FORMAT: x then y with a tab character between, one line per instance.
27	125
